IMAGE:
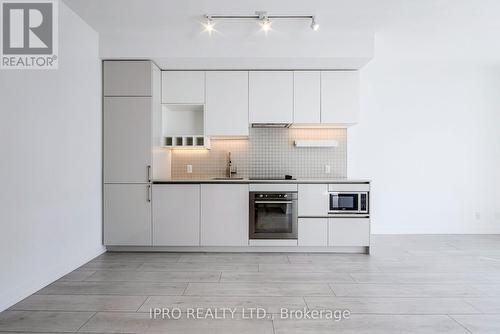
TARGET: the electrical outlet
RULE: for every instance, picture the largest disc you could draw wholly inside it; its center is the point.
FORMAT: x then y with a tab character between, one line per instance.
189	169
327	169
477	215
497	216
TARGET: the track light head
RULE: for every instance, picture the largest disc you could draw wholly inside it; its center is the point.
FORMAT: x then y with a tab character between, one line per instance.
314	24
209	25
264	22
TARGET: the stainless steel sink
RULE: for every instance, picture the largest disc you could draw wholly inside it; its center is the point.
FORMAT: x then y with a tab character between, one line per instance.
227	178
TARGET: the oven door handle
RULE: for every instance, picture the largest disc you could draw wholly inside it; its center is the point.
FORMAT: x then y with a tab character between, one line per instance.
273	202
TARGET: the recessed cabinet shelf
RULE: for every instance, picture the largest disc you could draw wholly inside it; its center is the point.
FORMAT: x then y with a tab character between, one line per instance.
186	142
183	126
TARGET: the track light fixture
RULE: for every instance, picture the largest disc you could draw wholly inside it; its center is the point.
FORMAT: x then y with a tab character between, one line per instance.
262	17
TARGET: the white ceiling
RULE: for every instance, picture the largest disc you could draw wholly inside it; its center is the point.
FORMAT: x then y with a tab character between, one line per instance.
377	15
147	15
421	28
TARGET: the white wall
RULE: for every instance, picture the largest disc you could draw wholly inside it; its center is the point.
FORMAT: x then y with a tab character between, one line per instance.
243	47
429	137
50	170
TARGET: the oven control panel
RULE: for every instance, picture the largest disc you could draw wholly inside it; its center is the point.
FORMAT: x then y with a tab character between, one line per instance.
271	196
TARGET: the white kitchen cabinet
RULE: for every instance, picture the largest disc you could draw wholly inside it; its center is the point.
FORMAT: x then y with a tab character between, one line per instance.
348	231
127	215
176	215
313	232
127	78
271	96
339	97
224	214
127	139
226	103
187	87
313	200
307	97
161	169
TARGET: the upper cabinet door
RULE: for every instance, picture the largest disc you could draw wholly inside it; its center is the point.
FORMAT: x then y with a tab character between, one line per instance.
307	93
183	87
127	139
127	78
226	103
271	97
339	97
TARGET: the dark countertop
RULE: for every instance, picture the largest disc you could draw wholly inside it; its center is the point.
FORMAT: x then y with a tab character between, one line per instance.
248	181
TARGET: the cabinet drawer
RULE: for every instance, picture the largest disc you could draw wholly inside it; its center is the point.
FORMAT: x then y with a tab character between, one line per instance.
273	187
349	232
349	187
313	200
313	232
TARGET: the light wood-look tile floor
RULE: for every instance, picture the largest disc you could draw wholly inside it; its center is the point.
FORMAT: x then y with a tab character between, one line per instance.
409	284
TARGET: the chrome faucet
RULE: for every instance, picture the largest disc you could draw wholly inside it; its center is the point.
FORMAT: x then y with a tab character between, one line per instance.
230	169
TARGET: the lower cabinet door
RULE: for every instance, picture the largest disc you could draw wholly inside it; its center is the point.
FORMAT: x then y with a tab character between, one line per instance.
313	232
127	215
349	232
313	200
176	215
224	214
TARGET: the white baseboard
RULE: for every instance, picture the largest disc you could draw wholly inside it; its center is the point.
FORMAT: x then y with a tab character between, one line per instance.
240	249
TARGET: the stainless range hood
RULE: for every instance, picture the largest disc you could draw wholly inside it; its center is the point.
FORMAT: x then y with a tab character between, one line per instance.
270	125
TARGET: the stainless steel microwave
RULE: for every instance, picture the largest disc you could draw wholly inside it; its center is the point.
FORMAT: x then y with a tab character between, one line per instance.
348	202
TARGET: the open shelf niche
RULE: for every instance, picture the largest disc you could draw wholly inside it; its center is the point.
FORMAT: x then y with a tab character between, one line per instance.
183	126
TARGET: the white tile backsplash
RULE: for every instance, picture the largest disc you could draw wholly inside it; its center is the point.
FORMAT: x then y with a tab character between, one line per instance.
267	153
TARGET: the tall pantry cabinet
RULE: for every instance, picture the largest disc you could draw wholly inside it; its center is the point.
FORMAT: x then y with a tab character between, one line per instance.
131	138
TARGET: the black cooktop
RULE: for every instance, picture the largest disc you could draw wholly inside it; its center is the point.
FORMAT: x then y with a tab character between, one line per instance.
271	178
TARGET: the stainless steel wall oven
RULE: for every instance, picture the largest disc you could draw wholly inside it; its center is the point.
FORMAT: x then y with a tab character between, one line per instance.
273	215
